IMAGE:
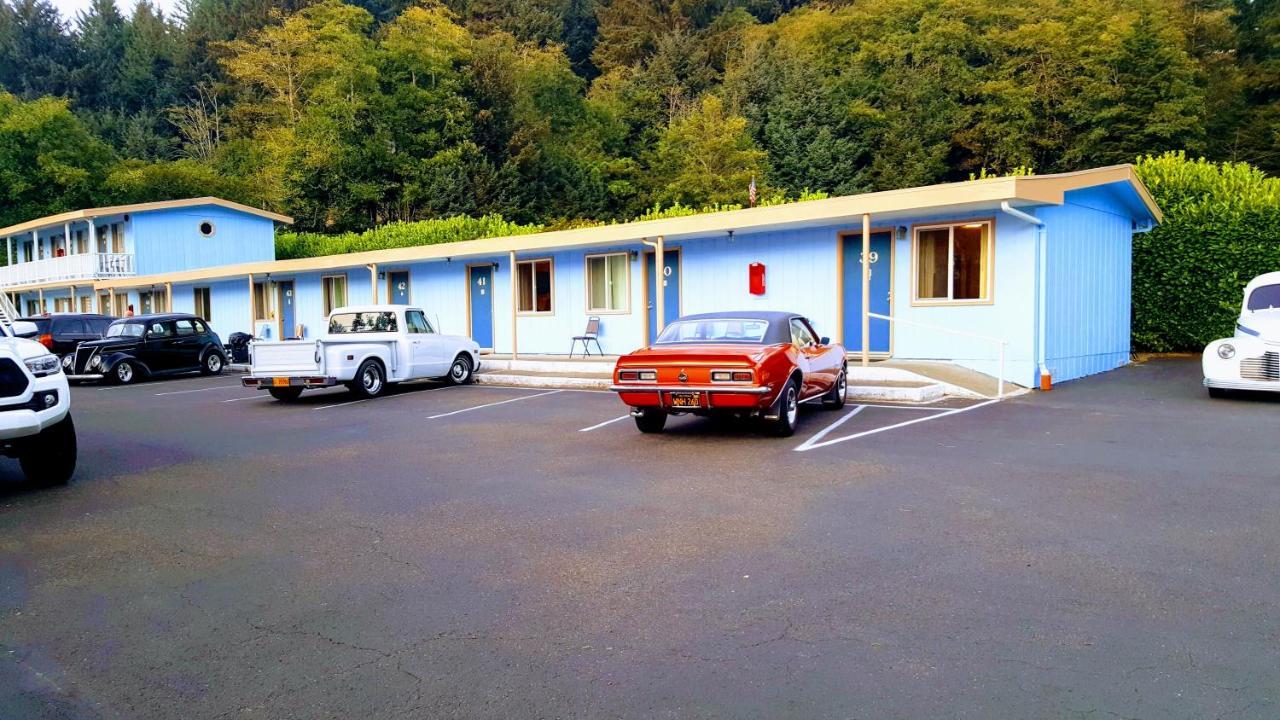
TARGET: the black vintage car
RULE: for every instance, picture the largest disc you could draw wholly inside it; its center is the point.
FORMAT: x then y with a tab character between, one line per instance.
150	346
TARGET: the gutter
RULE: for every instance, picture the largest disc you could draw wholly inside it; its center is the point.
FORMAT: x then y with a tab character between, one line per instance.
1042	265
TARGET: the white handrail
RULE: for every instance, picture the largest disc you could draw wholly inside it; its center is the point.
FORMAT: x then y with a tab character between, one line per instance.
1000	342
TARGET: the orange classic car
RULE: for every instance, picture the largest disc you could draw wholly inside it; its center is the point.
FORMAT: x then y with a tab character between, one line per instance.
748	364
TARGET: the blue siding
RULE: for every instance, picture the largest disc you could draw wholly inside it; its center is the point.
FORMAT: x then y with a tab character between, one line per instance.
170	240
1088	290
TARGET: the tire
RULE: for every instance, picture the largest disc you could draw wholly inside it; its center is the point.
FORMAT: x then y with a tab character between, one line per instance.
460	372
651	421
370	380
50	457
124	373
834	400
213	363
1219	392
285	394
788	411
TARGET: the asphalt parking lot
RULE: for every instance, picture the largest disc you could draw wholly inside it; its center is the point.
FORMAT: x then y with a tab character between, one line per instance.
1108	549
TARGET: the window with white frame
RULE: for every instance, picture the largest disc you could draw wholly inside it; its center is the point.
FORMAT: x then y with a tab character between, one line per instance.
533	286
608	283
203	306
953	263
335	292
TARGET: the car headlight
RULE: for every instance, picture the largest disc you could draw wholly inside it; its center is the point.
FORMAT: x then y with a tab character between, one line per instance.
67	361
1226	351
96	361
44	365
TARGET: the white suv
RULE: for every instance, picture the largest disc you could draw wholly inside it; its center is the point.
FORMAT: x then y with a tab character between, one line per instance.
35	410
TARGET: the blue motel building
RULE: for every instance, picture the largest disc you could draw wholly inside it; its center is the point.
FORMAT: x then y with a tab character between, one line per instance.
1035	269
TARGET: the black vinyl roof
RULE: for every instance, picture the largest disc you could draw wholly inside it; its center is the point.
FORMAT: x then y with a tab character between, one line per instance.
779	330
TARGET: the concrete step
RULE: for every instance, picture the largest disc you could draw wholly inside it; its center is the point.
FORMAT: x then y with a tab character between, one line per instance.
592	367
532	378
910	391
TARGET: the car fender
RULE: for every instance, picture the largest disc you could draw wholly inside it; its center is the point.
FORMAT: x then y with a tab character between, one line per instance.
111	360
339	366
1215	367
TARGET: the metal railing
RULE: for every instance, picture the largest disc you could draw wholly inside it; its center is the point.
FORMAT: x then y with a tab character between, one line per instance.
1001	343
85	266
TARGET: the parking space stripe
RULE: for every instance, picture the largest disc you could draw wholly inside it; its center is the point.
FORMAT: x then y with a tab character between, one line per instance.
811	444
384	397
486	405
908	407
183	392
250	397
606	422
823	432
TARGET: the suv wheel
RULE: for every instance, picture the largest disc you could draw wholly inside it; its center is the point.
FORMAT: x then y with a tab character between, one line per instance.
50	457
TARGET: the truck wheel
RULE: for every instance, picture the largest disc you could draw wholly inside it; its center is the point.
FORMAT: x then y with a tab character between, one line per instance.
460	372
285	394
124	373
788	411
834	400
370	380
213	363
50	457
651	421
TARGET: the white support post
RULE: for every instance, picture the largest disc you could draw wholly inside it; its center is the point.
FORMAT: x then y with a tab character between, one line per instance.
66	239
866	289
8	251
515	305
93	236
659	284
373	282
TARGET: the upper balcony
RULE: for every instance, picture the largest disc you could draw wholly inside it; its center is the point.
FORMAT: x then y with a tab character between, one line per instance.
84	266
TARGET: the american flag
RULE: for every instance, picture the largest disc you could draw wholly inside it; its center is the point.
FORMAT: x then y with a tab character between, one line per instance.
751	191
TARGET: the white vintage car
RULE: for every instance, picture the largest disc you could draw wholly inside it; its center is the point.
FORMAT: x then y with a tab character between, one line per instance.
365	348
1251	359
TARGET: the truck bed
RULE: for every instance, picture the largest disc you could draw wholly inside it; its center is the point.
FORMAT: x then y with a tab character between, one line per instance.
285	357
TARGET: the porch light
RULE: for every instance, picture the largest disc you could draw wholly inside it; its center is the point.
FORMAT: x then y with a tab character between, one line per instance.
902	232
972	226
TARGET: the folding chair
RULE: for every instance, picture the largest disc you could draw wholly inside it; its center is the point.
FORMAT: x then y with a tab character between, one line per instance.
592	334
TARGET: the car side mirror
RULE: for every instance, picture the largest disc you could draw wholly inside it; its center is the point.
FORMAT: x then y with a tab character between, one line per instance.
825	341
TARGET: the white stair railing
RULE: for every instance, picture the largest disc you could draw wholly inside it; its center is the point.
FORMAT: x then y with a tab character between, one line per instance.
8	313
1001	343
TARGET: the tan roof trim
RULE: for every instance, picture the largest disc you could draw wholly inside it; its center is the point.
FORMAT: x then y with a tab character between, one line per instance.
88	213
988	192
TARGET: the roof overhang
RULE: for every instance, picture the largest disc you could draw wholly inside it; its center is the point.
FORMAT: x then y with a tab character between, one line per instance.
984	195
90	213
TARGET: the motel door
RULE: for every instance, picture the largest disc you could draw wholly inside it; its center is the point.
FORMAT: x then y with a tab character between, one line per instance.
398	287
881	288
481	289
670	290
288	318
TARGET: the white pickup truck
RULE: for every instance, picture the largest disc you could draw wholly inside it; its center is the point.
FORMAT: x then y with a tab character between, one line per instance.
365	348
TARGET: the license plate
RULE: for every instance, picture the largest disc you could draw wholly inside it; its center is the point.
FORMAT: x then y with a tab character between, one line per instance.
280	382
686	399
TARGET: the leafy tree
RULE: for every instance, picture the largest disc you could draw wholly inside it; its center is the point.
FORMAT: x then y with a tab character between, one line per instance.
706	157
49	162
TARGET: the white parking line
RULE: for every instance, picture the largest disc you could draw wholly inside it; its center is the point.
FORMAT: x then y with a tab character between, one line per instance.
823	433
812	443
606	422
250	397
486	405
183	392
385	397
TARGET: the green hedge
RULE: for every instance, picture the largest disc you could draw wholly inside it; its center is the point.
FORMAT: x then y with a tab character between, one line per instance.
398	234
1221	229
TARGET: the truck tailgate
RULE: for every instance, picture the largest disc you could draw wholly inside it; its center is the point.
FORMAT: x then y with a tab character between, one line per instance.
288	357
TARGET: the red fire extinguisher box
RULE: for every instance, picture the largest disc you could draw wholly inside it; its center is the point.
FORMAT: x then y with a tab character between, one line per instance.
755	273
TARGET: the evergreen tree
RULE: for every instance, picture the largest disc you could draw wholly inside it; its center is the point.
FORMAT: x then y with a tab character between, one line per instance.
37	56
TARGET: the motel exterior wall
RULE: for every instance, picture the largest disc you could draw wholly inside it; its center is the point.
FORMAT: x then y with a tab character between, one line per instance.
169	240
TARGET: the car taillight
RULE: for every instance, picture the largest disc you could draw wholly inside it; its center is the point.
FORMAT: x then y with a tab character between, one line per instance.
732	376
742	376
46	340
637	375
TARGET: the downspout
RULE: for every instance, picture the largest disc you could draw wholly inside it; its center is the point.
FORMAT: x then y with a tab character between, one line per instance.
1042	266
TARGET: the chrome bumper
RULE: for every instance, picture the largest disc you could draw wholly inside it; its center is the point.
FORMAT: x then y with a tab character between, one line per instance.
736	389
266	382
85	377
1255	385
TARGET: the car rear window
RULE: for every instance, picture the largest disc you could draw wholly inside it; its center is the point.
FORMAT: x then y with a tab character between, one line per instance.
715	330
362	322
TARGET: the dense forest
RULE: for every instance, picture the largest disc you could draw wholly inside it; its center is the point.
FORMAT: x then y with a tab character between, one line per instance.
348	116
